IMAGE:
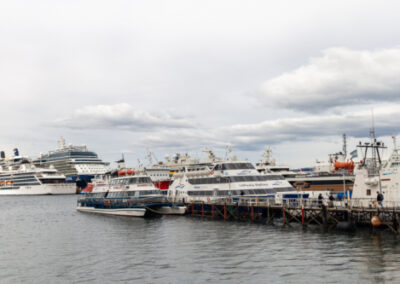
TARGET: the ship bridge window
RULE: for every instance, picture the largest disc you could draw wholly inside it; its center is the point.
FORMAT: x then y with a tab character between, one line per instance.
144	180
133	180
237	166
89	154
213	180
255	178
218	167
200	193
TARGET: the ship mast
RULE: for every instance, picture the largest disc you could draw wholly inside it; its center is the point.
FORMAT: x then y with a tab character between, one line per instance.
374	163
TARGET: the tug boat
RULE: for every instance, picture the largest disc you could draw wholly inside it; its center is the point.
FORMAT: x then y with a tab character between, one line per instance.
130	194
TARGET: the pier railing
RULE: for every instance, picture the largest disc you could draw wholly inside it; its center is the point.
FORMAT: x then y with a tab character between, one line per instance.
366	203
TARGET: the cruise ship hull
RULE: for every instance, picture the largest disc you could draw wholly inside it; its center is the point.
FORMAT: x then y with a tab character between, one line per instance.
40	190
86	178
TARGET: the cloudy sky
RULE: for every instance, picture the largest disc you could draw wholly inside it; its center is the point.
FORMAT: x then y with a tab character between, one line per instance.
178	76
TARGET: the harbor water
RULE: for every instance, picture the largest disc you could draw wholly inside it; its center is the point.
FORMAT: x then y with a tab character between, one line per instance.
44	240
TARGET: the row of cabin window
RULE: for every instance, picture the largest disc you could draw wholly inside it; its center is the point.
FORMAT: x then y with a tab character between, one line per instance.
126	181
230	192
234	166
238	192
123	193
234	179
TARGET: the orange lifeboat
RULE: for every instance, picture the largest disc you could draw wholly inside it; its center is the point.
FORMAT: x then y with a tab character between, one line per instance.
130	172
121	172
345	165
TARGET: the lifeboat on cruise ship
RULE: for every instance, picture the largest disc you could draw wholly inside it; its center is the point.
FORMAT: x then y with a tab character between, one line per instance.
344	165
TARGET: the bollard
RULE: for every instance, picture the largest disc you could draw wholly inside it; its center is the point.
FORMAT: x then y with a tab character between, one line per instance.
283	215
225	215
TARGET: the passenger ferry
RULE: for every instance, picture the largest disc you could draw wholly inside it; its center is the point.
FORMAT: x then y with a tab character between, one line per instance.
73	162
26	179
129	194
225	179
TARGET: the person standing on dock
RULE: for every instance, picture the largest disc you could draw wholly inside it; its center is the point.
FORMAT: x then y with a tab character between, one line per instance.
320	199
331	199
379	198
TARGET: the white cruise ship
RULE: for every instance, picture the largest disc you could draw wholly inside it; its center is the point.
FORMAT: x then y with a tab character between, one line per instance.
26	179
225	179
73	162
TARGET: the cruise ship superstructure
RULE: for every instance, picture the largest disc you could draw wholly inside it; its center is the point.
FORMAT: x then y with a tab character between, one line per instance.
73	162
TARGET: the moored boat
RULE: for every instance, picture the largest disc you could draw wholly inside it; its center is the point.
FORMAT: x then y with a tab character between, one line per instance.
225	179
129	194
75	162
26	179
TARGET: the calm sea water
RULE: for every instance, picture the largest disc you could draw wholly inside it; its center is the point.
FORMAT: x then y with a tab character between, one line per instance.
44	240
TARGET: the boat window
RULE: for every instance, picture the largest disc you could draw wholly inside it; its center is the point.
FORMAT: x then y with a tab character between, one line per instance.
133	180
213	180
237	166
200	193
144	180
124	181
255	178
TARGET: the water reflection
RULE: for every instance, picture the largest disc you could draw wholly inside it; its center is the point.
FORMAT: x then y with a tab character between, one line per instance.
54	243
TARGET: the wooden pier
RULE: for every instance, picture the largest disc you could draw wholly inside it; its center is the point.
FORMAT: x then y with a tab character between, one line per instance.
343	215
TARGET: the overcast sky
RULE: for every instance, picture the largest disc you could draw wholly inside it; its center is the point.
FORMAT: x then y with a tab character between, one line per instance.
178	76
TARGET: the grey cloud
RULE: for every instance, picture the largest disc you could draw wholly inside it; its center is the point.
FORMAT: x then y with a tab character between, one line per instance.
119	116
339	77
253	137
356	124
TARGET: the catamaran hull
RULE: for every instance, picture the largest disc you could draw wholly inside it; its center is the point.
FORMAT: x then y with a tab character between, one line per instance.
174	210
127	212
